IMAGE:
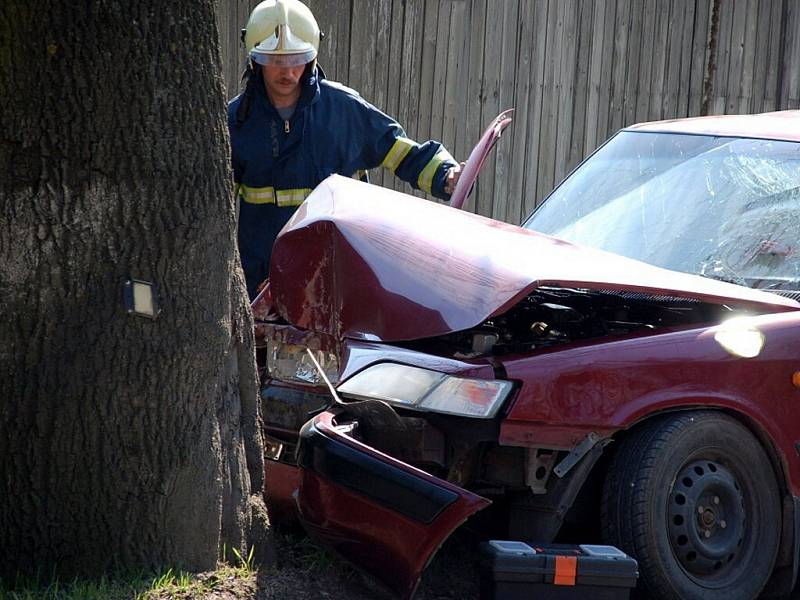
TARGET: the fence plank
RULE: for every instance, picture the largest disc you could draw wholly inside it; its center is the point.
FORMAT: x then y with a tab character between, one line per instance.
580	89
383	32
474	99
772	88
565	108
490	97
594	102
620	66
363	48
724	57
736	56
414	92
409	94
523	120
700	55
673	56
659	51
679	78
761	53
790	69
395	89
745	95
545	16
645	60
430	27
455	82
633	61
549	112
439	87
508	69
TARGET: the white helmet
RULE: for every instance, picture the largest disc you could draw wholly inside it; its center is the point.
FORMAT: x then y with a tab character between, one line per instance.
283	33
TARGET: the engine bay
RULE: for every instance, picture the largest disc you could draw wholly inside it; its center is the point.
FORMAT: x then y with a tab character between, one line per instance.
551	316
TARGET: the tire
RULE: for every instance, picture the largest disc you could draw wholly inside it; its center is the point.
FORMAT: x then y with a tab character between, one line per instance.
693	498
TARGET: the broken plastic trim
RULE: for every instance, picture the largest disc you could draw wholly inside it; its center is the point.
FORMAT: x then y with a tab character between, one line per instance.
383	483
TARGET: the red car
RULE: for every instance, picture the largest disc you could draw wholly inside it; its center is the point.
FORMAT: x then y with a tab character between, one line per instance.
624	367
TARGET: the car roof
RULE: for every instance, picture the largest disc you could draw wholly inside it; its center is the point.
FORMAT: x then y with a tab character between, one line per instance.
781	125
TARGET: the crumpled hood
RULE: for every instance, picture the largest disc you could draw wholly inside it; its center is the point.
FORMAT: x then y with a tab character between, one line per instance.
361	261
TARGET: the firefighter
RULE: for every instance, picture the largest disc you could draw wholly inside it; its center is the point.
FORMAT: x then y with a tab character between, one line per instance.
291	128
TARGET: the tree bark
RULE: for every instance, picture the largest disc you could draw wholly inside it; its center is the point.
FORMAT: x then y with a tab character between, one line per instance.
125	441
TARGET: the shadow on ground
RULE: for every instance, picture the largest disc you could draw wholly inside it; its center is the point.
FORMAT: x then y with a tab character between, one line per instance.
304	571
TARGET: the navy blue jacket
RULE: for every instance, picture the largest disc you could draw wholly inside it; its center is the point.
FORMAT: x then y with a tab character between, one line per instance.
277	163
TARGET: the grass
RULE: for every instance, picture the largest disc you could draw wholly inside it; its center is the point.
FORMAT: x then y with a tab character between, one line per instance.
180	586
298	551
166	585
77	589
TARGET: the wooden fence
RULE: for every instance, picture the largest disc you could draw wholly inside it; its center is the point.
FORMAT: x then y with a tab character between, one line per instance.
575	71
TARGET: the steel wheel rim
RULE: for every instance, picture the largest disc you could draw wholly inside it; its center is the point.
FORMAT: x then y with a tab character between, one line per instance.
706	521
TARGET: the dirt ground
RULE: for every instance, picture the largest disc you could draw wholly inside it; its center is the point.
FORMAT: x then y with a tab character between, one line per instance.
305	572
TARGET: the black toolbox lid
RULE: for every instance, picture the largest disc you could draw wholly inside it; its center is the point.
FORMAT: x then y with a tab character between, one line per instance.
586	565
512	561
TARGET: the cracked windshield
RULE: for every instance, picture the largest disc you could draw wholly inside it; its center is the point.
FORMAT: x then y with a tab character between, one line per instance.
721	207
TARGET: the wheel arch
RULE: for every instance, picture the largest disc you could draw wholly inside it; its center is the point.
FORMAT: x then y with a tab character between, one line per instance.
788	560
777	459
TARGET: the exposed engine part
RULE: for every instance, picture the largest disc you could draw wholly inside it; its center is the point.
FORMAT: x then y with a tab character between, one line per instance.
551	316
538	467
483	342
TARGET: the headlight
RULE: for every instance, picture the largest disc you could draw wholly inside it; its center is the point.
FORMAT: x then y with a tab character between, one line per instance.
290	362
422	389
740	337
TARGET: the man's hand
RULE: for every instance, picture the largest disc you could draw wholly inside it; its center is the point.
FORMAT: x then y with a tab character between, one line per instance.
452	178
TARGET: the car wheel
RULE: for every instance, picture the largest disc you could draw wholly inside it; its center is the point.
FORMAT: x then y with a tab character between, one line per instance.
693	497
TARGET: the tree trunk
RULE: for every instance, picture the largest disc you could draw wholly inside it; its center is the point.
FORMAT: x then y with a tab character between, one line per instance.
125	441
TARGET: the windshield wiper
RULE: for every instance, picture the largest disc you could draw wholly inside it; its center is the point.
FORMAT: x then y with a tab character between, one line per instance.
720	271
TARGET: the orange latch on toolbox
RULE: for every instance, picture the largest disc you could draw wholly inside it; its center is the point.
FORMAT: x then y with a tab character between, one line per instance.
566	569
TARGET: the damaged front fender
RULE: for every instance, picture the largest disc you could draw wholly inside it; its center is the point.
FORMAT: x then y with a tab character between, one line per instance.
383	515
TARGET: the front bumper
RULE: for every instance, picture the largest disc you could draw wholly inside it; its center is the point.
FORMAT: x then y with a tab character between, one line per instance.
385	516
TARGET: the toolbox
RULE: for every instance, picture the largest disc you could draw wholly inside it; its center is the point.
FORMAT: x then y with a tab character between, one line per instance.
518	571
